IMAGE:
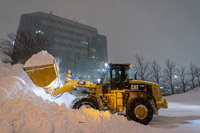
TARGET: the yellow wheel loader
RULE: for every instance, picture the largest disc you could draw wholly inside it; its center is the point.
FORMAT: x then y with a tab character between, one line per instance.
137	100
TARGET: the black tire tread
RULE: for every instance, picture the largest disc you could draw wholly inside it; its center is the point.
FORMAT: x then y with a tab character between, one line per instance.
132	105
85	101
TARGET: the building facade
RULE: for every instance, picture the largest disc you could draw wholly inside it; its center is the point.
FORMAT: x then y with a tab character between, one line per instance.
76	46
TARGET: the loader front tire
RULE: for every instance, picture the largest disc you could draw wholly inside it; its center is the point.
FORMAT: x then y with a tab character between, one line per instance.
85	102
139	110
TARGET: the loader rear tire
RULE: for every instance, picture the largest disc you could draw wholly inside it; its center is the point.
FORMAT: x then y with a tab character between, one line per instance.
87	102
140	110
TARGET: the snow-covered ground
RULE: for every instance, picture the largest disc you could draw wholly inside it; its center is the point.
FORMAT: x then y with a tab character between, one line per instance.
25	107
183	112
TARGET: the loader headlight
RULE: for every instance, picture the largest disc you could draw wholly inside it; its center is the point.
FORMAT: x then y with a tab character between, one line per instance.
99	80
107	66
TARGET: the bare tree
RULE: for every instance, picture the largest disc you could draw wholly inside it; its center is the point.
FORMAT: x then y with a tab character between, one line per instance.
27	44
169	73
6	45
182	74
142	67
156	72
191	73
197	75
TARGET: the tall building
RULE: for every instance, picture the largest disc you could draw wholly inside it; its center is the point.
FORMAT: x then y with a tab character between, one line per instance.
76	46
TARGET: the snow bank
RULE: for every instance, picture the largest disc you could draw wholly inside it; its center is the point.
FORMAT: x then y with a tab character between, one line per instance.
185	104
41	58
192	97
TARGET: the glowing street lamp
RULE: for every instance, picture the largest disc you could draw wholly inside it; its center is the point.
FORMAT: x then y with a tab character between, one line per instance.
106	64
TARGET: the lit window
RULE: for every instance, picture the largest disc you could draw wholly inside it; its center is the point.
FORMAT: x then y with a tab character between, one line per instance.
93	50
84	42
39	32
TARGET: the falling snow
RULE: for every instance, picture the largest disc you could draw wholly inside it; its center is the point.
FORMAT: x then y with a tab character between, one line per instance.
25	107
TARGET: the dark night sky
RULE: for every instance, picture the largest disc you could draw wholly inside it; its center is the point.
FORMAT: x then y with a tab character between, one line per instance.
155	29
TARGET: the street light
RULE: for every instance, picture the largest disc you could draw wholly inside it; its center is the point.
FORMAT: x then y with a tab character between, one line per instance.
106	64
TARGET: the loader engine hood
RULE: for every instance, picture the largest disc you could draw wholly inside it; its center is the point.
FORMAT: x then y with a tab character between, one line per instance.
149	87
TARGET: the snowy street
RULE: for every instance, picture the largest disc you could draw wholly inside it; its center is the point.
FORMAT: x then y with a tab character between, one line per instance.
183	112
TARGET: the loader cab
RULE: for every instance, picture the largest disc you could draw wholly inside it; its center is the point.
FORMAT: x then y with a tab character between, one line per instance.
117	76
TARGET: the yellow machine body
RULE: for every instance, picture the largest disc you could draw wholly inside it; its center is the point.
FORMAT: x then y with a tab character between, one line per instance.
156	92
69	86
47	76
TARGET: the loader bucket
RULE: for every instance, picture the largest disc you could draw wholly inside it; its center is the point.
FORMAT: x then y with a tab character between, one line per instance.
44	75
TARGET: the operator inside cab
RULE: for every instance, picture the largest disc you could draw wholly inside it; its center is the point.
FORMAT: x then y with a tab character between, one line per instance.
116	77
119	76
